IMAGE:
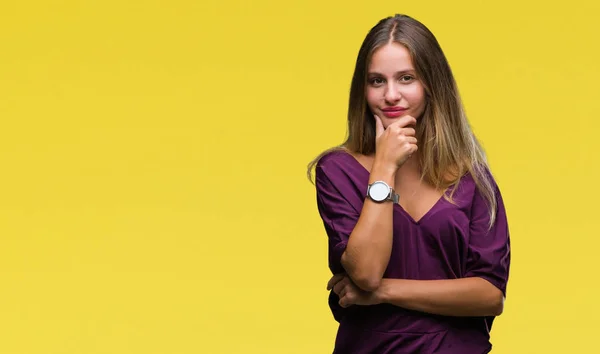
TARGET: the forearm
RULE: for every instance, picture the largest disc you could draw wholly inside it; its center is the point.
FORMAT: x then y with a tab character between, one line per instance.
452	297
370	244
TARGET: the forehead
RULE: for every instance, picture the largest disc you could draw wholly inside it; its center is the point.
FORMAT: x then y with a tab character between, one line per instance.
391	58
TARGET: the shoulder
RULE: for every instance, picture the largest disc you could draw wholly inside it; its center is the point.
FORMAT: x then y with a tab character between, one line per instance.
333	158
337	170
333	164
477	185
478	177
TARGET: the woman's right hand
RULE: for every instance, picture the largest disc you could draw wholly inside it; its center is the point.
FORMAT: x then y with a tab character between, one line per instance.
395	144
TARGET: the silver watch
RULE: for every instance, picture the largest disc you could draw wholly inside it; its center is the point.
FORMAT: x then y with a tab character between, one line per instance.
379	192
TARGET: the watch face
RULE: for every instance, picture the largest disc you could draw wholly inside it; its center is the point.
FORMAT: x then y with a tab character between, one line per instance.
379	191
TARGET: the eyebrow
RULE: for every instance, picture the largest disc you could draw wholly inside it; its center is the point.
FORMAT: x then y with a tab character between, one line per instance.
407	71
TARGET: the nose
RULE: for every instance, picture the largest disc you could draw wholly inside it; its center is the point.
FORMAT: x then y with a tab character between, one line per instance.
392	93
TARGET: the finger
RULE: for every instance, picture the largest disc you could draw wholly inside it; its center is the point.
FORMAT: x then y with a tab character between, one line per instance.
411	140
379	129
343	291
334	280
414	149
404	122
337	288
346	301
406	140
408	131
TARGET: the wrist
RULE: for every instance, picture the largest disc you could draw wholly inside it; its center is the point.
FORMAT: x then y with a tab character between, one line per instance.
383	172
393	291
382	295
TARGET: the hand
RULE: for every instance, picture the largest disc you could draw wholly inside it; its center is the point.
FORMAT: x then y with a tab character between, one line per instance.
349	293
395	144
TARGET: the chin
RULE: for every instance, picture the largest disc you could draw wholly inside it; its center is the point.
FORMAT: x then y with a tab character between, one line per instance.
387	121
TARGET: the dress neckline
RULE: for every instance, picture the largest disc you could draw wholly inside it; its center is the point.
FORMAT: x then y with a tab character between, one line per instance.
397	206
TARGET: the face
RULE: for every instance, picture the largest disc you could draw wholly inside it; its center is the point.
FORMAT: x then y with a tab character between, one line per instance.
393	88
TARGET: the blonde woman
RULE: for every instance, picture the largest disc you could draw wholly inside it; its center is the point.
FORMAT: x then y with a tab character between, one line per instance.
418	236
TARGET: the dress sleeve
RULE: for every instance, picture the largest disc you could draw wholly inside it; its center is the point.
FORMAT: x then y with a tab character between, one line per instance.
334	192
489	248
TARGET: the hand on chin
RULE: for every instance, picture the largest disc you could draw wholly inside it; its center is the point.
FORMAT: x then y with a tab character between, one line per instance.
388	121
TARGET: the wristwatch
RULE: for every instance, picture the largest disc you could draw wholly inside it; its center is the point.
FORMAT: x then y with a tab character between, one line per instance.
380	192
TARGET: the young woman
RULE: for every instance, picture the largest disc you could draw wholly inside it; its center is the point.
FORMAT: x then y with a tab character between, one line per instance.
418	236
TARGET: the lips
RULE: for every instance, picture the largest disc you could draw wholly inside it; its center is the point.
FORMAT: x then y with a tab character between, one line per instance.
393	112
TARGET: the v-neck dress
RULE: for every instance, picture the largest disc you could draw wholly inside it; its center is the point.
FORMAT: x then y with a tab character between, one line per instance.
452	240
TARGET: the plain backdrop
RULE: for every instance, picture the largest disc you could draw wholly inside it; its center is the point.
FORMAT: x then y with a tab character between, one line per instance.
153	196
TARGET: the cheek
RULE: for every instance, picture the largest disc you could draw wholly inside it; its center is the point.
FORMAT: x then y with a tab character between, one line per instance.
415	96
371	97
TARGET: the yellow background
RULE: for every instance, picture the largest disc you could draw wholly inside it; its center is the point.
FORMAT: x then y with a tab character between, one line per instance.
153	196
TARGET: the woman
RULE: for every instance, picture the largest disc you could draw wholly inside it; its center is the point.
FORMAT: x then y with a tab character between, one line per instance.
418	236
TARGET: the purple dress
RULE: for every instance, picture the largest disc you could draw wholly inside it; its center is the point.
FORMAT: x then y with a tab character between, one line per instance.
450	241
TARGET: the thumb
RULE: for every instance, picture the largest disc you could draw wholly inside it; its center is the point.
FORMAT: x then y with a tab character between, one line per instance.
379	129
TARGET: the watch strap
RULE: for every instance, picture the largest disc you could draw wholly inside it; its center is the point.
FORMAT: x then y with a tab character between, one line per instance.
394	197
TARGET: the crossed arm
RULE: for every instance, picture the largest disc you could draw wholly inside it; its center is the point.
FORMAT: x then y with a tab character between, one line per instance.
472	296
360	252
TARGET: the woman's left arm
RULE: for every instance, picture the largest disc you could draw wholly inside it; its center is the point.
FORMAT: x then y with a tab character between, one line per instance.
449	297
482	289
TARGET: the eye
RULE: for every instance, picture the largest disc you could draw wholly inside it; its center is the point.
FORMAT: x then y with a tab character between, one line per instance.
376	81
406	78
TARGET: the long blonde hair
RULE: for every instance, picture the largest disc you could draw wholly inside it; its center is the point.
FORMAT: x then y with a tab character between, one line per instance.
448	148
